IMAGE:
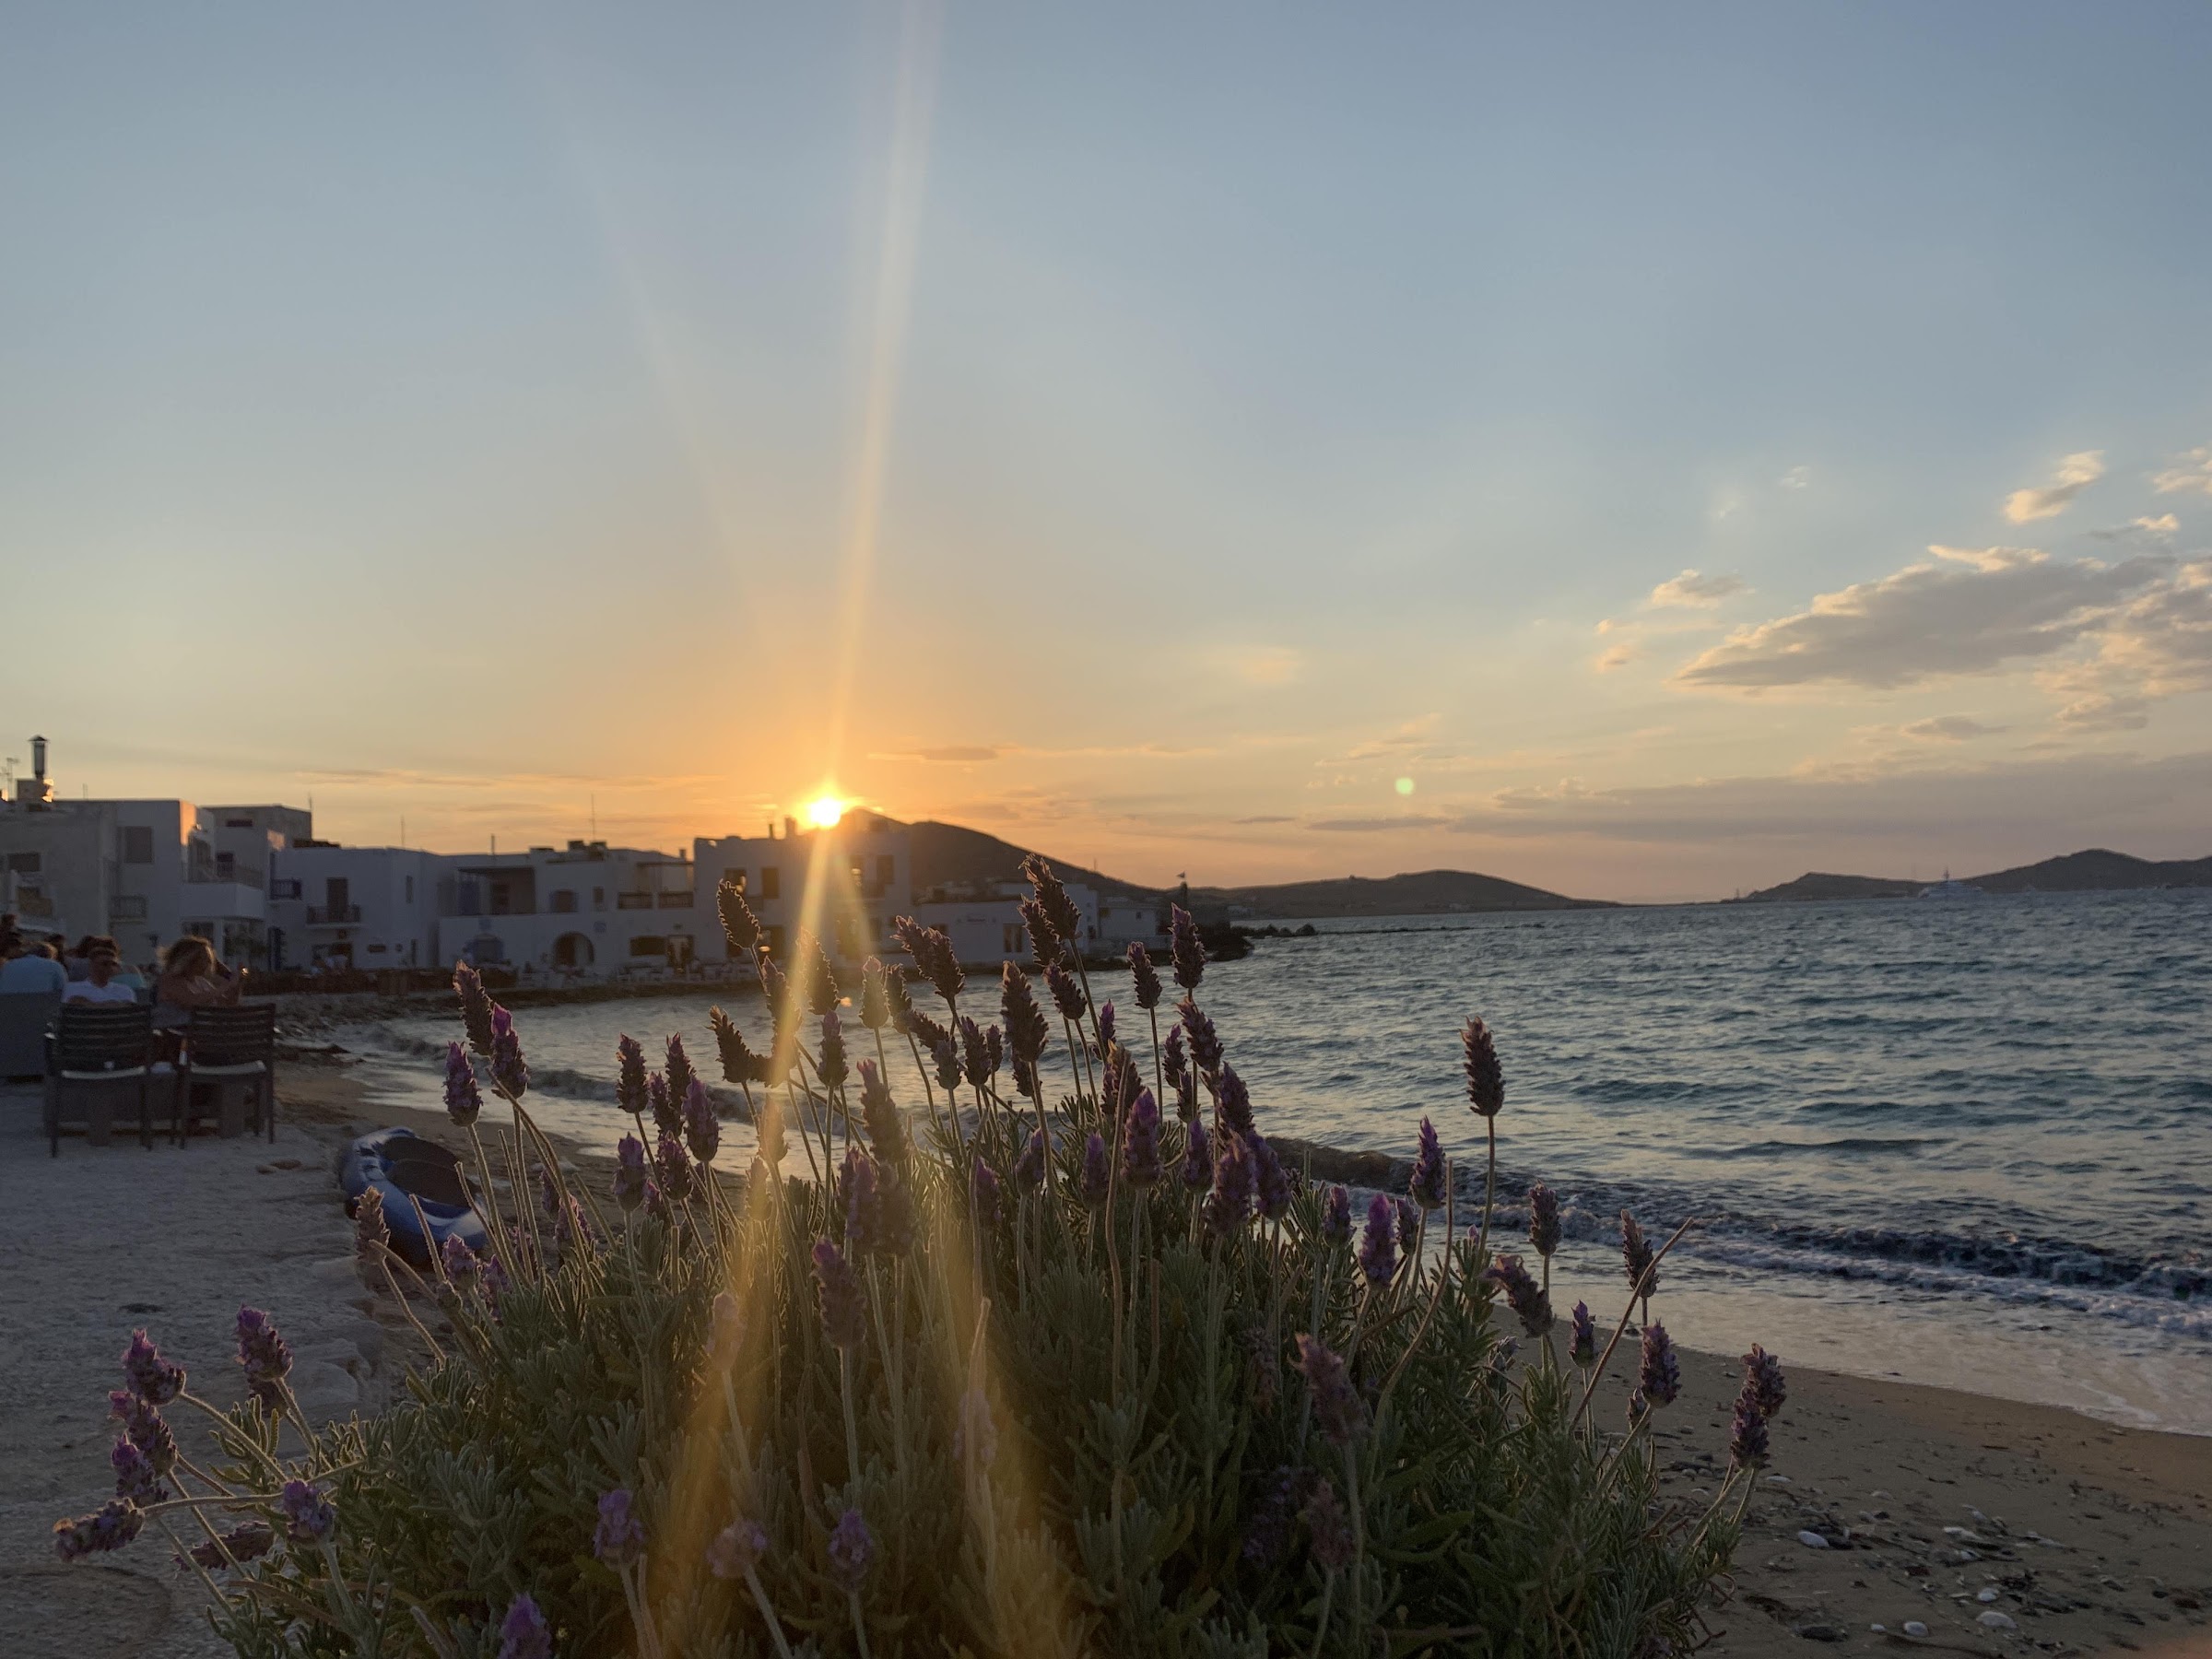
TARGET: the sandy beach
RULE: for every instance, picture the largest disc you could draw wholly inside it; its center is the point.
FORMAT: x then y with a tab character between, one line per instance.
2084	1538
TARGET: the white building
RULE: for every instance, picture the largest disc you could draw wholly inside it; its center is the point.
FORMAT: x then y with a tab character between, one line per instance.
983	920
354	907
864	868
1125	919
147	872
584	909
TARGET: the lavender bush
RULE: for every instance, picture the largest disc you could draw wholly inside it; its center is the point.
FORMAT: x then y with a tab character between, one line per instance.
1063	1359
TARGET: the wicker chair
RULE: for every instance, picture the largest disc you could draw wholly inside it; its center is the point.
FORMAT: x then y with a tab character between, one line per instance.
227	1047
96	1049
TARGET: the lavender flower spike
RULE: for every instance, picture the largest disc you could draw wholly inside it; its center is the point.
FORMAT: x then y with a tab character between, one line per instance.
736	1549
111	1526
1228	1205
674	1167
1522	1294
135	1477
856	1188
1427	1184
1659	1376
151	1377
1543	1220
1638	1259
476	1007
1146	977
1584	1350
1335	1543
630	1076
1379	1243
845	1316
1269	1178
983	1195
1029	1169
1097	1178
308	1515
702	1129
1140	1141
1197	1156
1486	1077
852	1550
524	1633
145	1428
1762	1379
1185	948
507	1068
264	1354
620	1539
1337	1408
462	1099
629	1172
1748	1432
1335	1218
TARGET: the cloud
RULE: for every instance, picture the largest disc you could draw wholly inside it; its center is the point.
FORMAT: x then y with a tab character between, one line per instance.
1266	817
1620	656
1693	589
956	753
1798	478
1949	728
2165	527
1413	735
1266	664
1377	826
2194	475
2157	645
1971	611
2074	473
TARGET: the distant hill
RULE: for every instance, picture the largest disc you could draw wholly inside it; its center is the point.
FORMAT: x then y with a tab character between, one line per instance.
2096	870
949	854
1426	893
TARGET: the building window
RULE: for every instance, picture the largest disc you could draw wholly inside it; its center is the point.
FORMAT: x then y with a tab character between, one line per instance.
564	901
138	843
771	881
599	898
410	889
23	863
238	823
649	945
226	867
886	871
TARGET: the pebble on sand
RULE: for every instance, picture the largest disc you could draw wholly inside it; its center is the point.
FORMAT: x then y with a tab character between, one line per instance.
1812	1540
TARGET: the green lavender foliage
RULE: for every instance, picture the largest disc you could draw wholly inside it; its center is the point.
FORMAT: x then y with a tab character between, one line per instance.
1145	1421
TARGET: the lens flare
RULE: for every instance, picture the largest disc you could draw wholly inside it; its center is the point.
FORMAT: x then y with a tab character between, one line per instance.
824	811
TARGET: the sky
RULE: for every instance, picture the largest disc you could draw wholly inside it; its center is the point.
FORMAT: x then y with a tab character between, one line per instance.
1647	452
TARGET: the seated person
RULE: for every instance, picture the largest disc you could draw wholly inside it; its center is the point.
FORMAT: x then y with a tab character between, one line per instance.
192	977
35	969
77	958
100	984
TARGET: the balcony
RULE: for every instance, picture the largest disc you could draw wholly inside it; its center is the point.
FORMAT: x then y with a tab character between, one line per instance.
633	900
333	915
675	901
126	907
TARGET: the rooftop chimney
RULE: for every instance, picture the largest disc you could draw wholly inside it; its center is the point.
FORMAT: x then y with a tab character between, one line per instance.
37	795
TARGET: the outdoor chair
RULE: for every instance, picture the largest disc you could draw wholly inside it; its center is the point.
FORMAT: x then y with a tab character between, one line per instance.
25	1018
96	1051
235	1051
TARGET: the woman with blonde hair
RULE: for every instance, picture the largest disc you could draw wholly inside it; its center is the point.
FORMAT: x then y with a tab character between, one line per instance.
194	977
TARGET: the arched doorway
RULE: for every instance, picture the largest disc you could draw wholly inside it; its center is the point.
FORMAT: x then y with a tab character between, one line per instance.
572	950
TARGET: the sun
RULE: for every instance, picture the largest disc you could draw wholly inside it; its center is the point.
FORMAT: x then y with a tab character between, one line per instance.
823	812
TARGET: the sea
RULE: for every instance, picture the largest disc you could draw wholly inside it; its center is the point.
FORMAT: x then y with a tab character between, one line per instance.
1960	1142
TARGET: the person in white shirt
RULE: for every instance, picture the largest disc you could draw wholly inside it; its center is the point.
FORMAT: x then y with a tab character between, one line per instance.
99	983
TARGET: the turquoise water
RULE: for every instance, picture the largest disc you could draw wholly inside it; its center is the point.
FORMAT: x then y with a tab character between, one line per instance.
1966	1142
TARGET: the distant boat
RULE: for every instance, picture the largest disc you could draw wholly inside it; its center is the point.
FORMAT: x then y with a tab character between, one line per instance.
1947	888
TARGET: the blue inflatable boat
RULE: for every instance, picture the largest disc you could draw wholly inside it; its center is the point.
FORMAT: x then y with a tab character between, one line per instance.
409	1171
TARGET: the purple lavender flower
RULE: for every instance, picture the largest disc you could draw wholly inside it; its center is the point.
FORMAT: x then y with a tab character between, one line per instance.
852	1550
619	1540
830	1060
673	1169
248	1541
507	1068
703	1128
149	1376
1206	1042
875	1003
264	1354
736	1548
1029	1169
1659	1376
371	1232
1522	1294
1763	1378
630	1076
775	991
1229	1205
1584	1348
1379	1243
844	1313
945	1052
463	1099
462	1264
1409	1226
995	1051
739	1064
1025	1080
1027	1029
934	956
1543	1220
1045	944
524	1633
656	1102
814	969
896	999
1186	949
1140	1142
1335	1218
1334	1542
629	1172
1748	1430
1271	1181
886	1129
1337	1408
111	1526
740	927
1235	1101
308	1515
1105	1018
680	1074
983	1195
1427	1183
1270	1532
145	1428
495	1281
1147	977
476	1007
1067	996
1096	1179
857	1190
1638	1259
1486	1077
1197	1156
656	1201
1172	1057
135	1477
